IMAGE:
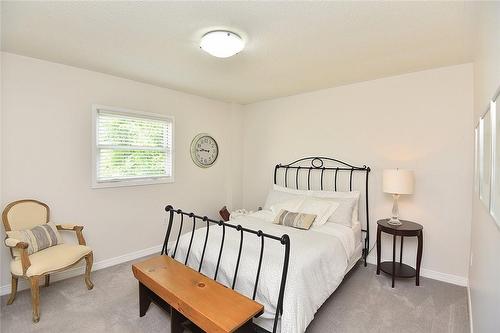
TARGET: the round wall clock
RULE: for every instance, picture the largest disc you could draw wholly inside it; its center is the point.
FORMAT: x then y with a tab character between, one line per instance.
204	150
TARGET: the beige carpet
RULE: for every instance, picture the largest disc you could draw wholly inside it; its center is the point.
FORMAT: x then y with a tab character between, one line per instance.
364	302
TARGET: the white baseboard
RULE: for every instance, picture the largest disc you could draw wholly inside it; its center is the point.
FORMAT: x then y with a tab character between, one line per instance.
470	310
444	277
79	270
4	290
449	278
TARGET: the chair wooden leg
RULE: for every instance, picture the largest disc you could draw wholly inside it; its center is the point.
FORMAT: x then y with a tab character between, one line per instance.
89	258
47	280
35	298
13	291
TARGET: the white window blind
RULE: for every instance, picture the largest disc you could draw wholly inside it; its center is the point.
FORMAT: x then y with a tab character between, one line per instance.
132	146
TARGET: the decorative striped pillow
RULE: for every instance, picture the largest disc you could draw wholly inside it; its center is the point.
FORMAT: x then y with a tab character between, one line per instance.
295	220
38	238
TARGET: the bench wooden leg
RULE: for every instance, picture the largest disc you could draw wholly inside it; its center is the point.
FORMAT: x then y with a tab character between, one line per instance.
144	299
176	320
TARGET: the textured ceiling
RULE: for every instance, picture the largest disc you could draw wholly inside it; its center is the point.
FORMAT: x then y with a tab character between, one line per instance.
292	47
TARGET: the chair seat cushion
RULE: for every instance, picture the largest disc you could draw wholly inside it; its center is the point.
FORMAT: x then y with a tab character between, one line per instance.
51	259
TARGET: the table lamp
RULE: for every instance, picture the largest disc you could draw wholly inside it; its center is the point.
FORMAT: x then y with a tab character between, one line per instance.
396	182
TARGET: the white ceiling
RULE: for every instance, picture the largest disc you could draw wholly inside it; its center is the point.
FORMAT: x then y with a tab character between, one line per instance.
292	47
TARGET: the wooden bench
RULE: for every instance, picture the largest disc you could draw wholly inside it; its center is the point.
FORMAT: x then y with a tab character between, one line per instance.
191	296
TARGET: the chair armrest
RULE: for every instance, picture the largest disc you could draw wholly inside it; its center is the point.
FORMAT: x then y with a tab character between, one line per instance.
22	246
14	243
70	227
76	228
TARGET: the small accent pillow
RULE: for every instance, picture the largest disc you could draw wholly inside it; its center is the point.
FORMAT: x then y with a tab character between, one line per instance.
295	220
38	238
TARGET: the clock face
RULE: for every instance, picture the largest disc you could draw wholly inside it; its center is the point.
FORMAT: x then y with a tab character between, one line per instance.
204	150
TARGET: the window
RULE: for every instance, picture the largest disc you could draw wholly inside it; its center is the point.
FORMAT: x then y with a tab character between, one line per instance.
131	148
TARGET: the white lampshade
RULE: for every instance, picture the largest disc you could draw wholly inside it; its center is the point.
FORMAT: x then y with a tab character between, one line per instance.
397	181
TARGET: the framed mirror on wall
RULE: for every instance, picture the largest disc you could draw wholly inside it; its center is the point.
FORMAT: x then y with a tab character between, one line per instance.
476	159
495	172
485	158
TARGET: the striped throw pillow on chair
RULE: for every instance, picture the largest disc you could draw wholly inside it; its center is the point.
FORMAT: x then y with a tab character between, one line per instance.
38	238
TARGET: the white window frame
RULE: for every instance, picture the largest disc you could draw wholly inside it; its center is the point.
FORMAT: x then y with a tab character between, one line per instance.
95	151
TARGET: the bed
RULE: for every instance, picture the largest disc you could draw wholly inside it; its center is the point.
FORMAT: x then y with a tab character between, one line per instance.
290	271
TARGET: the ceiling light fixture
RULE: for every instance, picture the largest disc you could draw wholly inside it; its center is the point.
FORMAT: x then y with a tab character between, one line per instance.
221	43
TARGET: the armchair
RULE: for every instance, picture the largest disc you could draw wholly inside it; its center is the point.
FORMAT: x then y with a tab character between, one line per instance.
27	214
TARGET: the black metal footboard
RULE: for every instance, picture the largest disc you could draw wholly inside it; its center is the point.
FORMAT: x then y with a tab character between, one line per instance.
284	240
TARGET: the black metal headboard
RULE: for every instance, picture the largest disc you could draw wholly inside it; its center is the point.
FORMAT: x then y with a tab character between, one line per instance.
331	173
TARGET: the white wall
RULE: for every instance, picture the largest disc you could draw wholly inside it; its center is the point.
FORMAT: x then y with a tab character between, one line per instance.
419	121
484	272
46	154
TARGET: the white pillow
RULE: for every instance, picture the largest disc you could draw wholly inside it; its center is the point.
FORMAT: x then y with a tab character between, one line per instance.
347	211
291	205
280	194
323	209
289	190
340	197
344	213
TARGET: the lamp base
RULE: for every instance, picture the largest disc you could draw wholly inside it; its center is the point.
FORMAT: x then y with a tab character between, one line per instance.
394	221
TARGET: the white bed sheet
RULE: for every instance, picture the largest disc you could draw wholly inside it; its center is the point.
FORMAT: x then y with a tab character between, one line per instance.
319	259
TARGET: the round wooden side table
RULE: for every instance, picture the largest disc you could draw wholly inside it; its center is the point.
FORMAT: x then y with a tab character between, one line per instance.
393	268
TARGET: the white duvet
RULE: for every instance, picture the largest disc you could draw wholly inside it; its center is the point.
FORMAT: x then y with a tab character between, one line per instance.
318	261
